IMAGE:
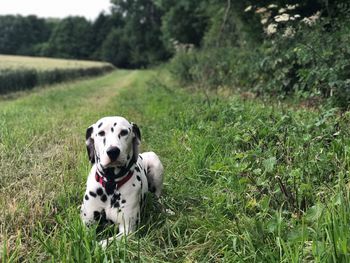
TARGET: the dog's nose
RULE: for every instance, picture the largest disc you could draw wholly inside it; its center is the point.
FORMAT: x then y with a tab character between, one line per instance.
113	153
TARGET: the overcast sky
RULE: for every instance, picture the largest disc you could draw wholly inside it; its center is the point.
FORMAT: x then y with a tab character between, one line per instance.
54	8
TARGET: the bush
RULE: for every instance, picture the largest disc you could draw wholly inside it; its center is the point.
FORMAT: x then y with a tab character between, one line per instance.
307	57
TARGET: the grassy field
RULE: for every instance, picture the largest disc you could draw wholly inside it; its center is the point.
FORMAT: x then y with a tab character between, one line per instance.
20	72
245	181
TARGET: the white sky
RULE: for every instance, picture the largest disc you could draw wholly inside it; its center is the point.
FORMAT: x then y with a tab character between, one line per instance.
54	8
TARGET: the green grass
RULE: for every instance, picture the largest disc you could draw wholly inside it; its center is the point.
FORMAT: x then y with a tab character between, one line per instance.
245	181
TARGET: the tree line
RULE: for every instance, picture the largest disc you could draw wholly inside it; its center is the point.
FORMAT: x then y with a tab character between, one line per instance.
138	33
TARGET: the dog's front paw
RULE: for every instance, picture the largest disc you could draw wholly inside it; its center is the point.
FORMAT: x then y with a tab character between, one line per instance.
103	243
106	242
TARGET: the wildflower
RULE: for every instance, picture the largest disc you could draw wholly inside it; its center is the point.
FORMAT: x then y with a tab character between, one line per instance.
261	10
310	21
282	18
271	29
296	16
289	32
316	16
264	21
248	8
272	6
292	7
282	10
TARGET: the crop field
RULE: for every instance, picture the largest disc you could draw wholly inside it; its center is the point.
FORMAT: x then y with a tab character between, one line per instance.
44	64
20	72
245	180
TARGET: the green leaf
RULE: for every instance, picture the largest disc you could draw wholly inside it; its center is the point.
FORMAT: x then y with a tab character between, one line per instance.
269	164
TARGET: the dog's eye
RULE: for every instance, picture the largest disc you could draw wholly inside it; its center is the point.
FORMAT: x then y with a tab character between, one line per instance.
101	133
124	132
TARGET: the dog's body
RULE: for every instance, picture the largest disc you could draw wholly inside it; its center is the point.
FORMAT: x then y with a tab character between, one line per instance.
120	176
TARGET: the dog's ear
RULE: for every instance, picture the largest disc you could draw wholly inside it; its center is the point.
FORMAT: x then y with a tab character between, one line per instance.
136	141
90	147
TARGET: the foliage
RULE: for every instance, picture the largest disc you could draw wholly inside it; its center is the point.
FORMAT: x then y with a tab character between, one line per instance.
304	56
183	21
19	35
70	39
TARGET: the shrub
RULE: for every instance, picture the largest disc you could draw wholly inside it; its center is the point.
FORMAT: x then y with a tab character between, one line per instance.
303	56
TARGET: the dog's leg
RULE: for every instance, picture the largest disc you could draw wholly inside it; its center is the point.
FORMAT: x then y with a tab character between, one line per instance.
125	229
154	173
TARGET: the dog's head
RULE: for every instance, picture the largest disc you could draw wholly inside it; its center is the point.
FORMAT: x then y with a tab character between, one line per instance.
112	142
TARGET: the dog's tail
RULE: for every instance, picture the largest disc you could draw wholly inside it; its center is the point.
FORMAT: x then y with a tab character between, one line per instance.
154	172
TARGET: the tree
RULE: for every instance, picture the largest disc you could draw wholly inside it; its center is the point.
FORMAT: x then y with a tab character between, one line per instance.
71	39
141	31
184	21
19	35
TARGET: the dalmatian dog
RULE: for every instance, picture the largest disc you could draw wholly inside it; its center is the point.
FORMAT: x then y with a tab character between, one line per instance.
120	176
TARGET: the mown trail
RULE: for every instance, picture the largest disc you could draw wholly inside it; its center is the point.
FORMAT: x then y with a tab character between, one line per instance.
245	181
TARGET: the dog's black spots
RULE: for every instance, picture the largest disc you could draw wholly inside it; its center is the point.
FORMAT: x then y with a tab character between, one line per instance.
109	188
137	221
104	141
84	214
115	124
119	136
92	194
119	210
104	198
145	171
141	157
138	178
112	129
133	185
137	169
128	157
116	204
97	215
86	197
123	201
99	191
100	125
115	199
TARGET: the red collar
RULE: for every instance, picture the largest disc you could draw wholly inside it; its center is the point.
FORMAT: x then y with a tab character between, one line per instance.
117	184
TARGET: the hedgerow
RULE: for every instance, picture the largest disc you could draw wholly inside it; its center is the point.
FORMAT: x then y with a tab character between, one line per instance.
25	78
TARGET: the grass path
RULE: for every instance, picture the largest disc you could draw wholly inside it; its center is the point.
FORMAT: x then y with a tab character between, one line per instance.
245	181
